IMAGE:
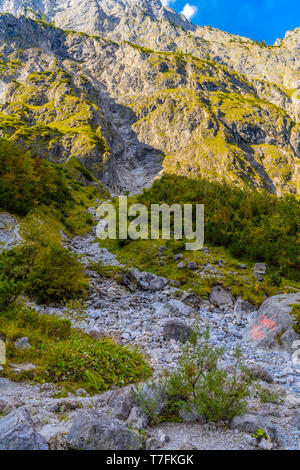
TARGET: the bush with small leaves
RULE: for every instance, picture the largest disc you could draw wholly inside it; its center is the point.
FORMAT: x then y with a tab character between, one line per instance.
199	384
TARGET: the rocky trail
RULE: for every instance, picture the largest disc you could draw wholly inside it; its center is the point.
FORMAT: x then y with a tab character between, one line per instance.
152	315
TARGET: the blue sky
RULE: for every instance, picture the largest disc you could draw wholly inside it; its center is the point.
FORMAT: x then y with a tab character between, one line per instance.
258	19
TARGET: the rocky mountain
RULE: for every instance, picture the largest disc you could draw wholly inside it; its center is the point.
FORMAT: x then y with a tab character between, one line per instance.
132	90
148	23
152	92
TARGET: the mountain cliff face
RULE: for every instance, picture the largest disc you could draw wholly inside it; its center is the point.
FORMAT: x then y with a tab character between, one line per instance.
148	23
189	100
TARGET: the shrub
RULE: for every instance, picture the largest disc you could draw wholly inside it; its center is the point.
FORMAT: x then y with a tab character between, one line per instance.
9	291
253	225
199	384
55	276
26	182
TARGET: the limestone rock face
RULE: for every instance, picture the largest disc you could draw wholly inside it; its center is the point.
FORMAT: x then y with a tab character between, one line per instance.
229	107
148	23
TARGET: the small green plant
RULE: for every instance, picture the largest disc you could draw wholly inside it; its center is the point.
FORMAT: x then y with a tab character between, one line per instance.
266	396
259	434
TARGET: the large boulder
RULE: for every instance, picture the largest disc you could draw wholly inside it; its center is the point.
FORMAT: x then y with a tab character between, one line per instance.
95	430
17	432
221	297
273	324
252	423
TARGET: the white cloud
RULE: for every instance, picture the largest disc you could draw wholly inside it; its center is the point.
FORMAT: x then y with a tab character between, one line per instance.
166	3
189	11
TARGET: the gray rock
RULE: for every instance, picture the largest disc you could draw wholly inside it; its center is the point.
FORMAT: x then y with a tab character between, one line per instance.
22	344
295	421
162	437
242	266
192	266
9	404
221	297
251	423
176	330
273	318
192	299
181	265
152	444
287	339
152	393
94	430
157	284
241	306
264	444
124	403
260	372
259	270
178	308
9	232
137	419
6	384
191	415
17	432
80	392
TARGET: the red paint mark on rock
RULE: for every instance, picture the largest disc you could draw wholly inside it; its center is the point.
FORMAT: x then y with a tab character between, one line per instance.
263	324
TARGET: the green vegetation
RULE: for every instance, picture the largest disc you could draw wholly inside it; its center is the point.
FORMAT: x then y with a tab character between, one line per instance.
47	271
254	226
198	385
65	356
240	225
26	182
30	183
296	312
